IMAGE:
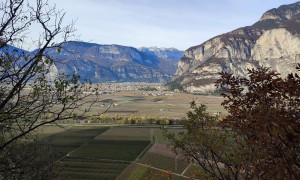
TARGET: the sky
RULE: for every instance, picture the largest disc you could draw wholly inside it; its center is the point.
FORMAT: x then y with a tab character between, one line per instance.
162	23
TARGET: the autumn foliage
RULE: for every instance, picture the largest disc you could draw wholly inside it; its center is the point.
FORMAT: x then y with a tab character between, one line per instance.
260	136
264	110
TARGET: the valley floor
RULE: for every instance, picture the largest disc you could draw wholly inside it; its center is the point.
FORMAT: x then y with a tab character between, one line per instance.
88	150
143	103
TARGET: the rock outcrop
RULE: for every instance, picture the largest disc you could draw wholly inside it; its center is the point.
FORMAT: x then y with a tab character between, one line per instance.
273	41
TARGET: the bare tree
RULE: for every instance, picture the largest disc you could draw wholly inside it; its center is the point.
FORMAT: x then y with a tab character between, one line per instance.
27	92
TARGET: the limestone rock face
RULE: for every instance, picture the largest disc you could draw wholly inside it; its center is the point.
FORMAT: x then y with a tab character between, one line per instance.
273	42
279	50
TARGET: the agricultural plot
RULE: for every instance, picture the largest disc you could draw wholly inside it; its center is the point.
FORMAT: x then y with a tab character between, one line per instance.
49	130
164	162
132	133
163	150
134	171
66	141
83	168
105	152
160	138
126	133
137	171
195	171
111	149
84	155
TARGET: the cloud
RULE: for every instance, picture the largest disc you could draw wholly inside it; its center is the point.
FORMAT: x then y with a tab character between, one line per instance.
176	23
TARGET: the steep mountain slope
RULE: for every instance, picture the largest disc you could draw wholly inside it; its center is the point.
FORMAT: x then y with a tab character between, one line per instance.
169	57
273	41
163	53
102	63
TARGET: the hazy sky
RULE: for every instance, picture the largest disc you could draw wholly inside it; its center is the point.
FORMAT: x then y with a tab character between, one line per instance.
162	23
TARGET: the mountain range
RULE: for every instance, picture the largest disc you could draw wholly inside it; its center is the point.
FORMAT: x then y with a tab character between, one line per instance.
273	41
110	63
115	63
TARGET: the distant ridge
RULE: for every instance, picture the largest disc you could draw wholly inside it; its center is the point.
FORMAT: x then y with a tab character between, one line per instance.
106	63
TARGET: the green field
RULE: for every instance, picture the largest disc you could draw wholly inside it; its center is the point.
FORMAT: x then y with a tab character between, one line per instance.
134	171
82	153
70	139
126	133
111	149
154	134
83	168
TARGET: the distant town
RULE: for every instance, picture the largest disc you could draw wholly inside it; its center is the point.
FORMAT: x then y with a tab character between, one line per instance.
146	89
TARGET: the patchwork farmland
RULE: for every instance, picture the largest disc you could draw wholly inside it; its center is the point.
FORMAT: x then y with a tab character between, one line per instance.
88	152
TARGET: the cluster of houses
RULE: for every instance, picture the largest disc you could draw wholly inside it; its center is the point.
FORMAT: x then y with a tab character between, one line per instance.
146	89
159	93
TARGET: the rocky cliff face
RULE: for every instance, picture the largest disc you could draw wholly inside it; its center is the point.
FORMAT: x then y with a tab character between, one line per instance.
102	63
273	41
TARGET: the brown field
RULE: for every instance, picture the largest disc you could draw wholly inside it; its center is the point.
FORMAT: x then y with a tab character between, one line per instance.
163	150
128	103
